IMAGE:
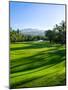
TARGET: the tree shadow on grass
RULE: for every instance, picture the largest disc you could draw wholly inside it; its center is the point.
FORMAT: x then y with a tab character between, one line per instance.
55	79
35	46
50	79
50	57
40	59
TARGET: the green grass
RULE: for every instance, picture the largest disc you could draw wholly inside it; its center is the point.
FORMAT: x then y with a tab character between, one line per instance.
37	64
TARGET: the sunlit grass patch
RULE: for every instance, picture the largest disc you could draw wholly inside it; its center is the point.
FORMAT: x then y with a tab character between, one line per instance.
37	64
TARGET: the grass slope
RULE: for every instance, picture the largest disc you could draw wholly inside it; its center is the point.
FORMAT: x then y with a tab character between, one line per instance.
36	64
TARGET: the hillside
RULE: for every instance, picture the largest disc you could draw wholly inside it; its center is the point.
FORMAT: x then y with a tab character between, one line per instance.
33	32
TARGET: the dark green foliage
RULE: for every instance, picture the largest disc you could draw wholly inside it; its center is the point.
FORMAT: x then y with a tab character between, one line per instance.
49	34
17	36
58	34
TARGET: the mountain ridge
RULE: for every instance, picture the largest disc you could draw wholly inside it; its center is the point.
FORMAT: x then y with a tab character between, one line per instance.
33	32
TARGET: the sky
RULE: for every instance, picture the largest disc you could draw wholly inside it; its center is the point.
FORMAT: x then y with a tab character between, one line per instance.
34	15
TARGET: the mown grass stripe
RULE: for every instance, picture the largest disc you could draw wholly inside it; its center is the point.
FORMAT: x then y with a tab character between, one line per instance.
45	63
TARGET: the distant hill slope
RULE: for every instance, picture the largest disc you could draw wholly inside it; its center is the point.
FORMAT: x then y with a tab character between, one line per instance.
33	32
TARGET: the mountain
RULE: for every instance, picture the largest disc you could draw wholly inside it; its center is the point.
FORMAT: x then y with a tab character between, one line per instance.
33	32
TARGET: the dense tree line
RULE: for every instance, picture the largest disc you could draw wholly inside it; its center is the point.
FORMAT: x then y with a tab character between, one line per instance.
17	36
58	34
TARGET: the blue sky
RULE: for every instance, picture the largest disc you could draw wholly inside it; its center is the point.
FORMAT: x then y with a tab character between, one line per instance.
33	15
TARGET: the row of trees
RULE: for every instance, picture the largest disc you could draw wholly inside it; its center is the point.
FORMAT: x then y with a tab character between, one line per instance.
58	34
17	36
